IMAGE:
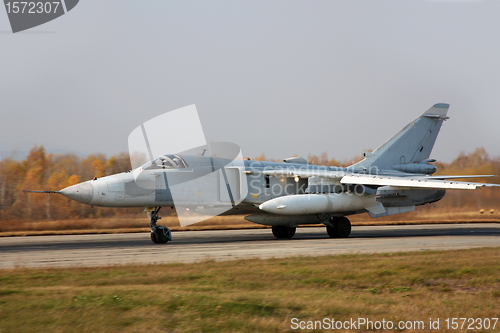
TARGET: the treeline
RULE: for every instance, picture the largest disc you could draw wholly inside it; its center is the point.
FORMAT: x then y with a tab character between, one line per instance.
476	163
41	171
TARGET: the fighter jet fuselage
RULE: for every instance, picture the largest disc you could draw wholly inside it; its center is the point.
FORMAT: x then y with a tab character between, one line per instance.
265	181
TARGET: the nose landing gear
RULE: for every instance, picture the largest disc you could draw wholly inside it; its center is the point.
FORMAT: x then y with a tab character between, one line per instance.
159	234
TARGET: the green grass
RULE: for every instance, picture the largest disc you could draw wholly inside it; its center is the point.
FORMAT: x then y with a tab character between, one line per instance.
252	295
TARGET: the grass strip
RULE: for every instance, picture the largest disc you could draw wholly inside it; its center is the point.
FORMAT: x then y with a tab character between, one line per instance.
252	295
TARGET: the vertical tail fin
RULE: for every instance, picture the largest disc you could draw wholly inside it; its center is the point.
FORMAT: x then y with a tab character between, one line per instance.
413	144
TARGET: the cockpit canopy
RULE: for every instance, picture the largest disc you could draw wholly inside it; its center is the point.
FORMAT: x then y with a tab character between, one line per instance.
166	162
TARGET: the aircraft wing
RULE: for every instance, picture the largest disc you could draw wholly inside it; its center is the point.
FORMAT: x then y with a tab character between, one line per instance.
414	182
430	182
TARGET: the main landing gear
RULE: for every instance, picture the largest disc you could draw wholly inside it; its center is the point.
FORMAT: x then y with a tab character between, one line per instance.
159	234
336	227
283	231
339	227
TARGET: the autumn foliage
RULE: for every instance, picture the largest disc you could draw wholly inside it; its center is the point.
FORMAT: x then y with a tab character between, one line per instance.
41	171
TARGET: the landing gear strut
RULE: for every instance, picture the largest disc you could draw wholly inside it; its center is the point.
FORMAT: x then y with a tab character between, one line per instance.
159	234
339	227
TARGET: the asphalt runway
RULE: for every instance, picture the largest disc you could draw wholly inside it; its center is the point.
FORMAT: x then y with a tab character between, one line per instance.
194	246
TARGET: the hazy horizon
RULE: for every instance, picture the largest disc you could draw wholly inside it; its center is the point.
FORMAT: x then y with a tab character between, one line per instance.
275	77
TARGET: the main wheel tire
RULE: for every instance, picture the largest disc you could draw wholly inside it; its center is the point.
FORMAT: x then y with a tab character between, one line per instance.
283	231
276	231
153	238
288	232
341	228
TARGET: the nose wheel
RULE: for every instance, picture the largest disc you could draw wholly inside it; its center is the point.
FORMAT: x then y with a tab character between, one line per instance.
159	234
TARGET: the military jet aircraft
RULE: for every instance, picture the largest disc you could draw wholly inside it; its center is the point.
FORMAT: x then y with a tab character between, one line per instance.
393	179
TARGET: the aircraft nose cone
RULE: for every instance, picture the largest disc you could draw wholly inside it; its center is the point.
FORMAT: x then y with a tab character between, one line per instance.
82	192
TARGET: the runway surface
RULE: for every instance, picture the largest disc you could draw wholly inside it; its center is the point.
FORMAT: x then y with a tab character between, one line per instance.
193	246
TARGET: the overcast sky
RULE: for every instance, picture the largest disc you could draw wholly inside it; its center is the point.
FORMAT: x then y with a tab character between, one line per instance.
275	77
